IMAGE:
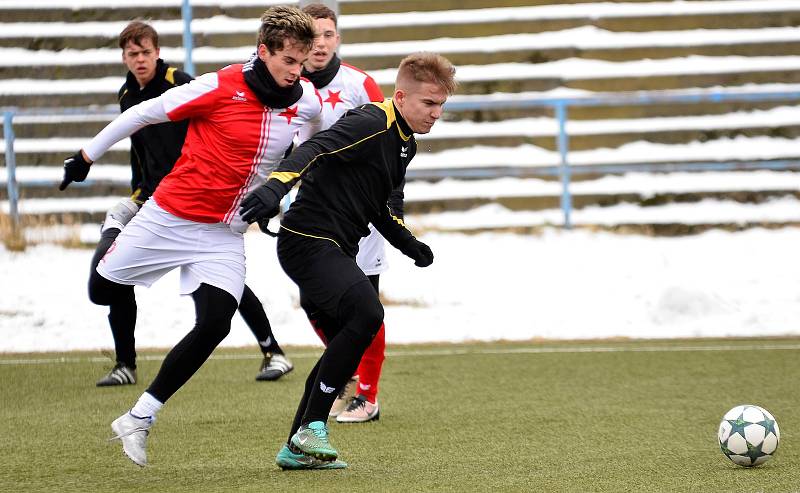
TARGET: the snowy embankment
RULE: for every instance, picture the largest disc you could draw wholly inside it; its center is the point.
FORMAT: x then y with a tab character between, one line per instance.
558	285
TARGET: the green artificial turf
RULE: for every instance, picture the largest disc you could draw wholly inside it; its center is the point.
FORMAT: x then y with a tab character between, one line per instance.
580	416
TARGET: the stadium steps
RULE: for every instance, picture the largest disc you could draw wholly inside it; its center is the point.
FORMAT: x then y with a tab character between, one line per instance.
587	43
552	68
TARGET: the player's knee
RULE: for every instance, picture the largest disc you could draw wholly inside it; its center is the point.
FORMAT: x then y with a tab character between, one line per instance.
362	313
215	308
214	329
105	292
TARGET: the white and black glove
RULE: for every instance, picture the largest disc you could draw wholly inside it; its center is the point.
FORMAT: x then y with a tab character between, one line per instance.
120	215
75	169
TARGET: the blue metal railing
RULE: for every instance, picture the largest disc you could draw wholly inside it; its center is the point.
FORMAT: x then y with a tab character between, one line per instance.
489	103
188	44
11	167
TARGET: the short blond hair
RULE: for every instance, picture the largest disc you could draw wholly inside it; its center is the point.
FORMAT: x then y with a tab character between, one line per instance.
280	23
428	67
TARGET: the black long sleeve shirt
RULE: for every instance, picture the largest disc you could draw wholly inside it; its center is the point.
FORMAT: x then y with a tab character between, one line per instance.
155	148
349	172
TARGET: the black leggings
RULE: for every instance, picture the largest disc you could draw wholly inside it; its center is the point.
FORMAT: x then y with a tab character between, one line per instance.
121	302
214	309
344	305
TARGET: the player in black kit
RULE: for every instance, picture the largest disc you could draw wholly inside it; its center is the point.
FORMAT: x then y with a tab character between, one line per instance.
348	173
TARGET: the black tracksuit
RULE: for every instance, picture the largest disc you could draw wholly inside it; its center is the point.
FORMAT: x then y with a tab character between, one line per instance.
155	148
349	173
354	167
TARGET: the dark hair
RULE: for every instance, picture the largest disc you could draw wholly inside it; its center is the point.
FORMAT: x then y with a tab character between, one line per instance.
279	23
428	67
319	11
136	31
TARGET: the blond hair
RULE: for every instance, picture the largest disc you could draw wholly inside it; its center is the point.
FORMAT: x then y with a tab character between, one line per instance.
427	67
280	23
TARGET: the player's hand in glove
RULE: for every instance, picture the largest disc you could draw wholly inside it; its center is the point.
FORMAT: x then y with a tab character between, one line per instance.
261	203
420	252
75	169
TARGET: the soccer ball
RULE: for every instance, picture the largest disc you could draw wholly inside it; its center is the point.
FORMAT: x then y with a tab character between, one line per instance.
748	435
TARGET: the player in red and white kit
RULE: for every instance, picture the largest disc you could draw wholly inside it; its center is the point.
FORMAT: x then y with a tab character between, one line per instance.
241	121
343	87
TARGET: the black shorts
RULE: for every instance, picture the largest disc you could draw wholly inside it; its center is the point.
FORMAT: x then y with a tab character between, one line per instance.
321	270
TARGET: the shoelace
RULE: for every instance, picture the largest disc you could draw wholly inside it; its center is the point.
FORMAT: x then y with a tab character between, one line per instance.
321	433
356	403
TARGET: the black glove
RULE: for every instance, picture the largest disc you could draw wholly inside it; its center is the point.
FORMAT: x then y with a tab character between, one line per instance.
420	252
75	169
261	203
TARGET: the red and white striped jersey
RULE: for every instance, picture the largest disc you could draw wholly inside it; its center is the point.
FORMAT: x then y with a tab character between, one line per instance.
232	145
349	89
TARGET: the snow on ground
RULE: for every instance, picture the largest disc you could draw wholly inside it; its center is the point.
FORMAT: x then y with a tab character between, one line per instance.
559	285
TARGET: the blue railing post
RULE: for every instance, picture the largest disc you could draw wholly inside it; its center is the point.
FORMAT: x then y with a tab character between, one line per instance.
11	167
564	170
186	13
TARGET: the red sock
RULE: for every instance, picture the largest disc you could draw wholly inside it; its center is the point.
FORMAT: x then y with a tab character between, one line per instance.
319	332
369	370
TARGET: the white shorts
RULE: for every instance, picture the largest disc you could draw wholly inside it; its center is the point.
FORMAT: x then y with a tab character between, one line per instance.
155	242
371	256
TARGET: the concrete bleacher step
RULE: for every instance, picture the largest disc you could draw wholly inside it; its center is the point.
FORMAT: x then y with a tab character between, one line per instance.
586	43
441	23
589	75
664	204
127	10
781	122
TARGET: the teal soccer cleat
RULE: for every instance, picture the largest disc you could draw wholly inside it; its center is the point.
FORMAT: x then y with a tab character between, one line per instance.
287	459
312	439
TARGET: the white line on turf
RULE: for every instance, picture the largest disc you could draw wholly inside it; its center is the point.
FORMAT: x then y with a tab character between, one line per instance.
450	352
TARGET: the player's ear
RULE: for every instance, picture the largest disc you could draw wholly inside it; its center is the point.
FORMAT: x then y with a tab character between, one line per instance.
399	97
262	52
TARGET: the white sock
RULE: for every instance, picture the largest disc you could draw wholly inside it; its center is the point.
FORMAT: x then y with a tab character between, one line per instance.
147	405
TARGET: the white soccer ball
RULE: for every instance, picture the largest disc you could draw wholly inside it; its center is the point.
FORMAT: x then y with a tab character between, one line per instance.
748	435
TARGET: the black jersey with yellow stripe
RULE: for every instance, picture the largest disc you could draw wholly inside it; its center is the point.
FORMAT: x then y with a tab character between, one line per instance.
155	148
348	173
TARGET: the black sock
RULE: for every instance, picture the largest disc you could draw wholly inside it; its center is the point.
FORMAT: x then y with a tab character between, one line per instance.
252	311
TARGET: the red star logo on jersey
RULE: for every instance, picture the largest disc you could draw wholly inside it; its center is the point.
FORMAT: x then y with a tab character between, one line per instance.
289	113
333	98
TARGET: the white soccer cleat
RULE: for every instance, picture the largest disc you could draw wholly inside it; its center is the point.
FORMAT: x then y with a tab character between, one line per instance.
344	397
132	432
360	410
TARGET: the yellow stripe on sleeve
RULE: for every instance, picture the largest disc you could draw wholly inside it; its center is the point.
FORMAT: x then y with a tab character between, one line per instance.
283	176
